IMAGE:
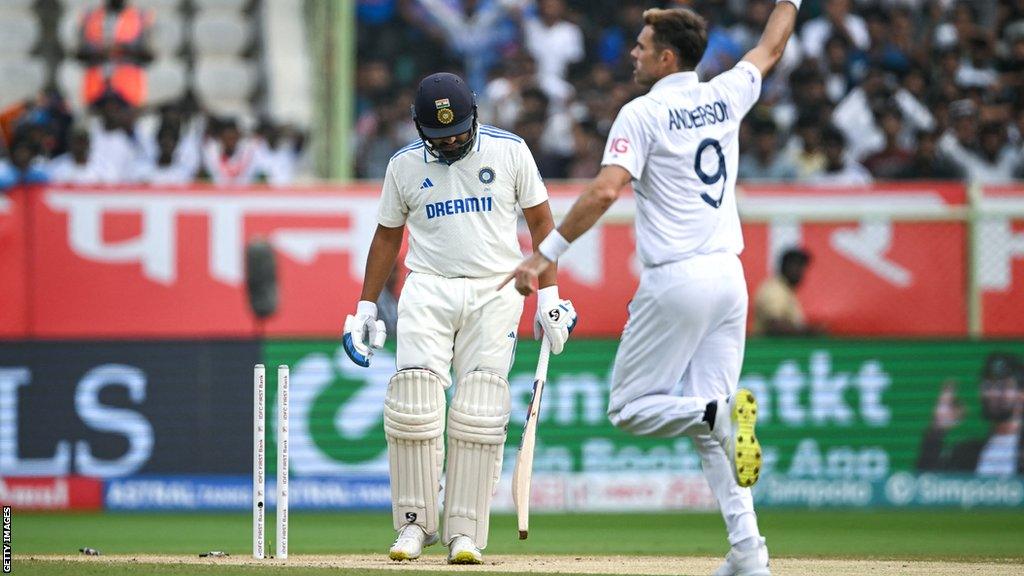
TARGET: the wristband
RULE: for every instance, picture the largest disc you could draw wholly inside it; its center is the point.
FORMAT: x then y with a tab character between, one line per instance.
553	246
547	297
367	308
793	2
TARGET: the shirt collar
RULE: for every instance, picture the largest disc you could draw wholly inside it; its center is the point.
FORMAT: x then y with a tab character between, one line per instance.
675	80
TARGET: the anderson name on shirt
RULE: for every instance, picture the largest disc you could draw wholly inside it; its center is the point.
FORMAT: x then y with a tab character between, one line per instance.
702	115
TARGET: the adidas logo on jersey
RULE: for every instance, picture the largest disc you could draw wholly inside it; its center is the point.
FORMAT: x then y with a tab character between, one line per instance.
426	184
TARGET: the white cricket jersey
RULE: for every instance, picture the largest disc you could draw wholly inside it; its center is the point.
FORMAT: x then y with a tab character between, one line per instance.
462	217
680	143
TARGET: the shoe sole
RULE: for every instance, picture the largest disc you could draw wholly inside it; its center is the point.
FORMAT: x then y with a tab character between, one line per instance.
747	449
464	558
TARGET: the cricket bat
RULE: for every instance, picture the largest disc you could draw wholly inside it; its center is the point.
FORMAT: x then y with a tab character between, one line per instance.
523	473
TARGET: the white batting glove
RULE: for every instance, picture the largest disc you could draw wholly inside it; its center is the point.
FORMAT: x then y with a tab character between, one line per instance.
555	318
363	333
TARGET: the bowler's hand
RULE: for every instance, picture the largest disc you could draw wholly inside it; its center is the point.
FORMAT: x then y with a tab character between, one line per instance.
526	273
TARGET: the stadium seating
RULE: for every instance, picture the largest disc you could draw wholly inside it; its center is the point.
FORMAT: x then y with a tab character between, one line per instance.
202	44
22	78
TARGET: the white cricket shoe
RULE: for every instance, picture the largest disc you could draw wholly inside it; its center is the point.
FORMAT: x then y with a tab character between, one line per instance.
734	429
753	562
462	550
410	543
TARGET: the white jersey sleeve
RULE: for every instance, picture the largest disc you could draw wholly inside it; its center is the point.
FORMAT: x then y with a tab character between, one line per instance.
628	142
530	189
393	210
741	86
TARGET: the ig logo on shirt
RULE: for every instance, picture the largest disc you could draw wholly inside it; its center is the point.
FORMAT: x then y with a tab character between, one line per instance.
619	145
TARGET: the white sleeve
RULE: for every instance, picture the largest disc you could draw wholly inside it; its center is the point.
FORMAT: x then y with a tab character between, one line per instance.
392	211
741	86
530	188
628	142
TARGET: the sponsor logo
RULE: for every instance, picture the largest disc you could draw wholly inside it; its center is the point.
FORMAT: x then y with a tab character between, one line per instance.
459	206
235	493
619	145
426	184
486	175
72	493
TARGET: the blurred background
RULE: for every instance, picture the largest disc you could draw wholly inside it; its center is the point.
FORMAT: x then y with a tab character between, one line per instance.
189	187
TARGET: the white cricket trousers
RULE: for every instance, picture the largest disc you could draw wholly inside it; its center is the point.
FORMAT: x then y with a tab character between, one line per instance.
687	323
465	323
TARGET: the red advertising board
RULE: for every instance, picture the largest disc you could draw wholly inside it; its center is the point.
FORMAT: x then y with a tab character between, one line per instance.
13	263
999	260
137	262
879	266
51	493
152	263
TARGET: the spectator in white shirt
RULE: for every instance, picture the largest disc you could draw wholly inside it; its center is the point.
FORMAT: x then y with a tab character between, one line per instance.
990	160
231	159
283	144
837	19
74	166
839	170
114	146
169	169
554	42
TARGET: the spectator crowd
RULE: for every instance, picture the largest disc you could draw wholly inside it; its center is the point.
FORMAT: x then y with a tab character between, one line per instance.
176	144
867	90
122	140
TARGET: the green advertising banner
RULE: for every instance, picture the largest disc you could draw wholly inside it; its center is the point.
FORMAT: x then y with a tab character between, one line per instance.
842	423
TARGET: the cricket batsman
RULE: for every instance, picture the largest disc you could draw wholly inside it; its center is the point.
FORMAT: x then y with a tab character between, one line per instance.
458	189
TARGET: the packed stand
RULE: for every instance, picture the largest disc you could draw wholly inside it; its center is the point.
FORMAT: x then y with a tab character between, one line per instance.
121	119
867	90
177	144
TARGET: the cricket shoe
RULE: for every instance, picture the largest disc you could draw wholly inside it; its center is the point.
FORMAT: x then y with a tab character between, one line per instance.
735	418
410	543
753	562
462	550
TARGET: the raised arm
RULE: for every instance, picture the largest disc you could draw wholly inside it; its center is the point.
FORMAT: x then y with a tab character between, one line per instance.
775	36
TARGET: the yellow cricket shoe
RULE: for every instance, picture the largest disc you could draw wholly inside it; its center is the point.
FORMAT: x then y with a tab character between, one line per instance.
735	420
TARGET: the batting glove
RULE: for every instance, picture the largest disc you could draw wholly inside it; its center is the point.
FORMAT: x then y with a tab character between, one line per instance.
363	333
555	318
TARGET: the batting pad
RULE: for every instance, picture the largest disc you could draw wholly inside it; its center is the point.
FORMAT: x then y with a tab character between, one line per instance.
477	423
414	426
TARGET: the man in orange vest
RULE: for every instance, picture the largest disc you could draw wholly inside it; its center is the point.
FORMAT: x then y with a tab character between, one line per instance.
113	47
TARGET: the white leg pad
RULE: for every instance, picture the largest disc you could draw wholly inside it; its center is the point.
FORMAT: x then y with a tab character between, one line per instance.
477	425
414	427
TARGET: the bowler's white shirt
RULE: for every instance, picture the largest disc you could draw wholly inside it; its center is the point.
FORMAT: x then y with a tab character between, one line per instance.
686	204
462	217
